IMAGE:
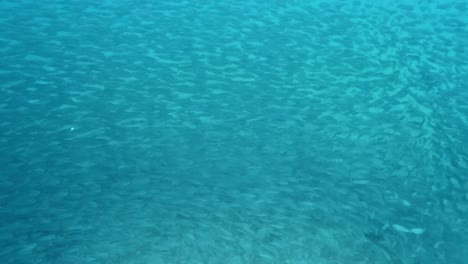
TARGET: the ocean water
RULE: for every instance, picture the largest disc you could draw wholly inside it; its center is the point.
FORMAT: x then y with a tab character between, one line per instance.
237	132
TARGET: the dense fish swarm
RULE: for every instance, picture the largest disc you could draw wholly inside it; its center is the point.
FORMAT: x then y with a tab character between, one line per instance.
236	132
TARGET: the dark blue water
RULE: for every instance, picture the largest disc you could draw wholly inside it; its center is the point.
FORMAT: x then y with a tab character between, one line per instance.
234	132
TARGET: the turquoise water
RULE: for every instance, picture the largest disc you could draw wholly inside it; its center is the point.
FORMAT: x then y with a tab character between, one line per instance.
234	132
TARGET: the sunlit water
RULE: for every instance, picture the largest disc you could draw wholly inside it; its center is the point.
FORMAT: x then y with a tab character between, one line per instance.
233	132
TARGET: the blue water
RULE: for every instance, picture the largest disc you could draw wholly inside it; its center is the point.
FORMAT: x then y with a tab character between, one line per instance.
234	132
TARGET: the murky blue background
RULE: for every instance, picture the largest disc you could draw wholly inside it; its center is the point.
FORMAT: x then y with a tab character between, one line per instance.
233	132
